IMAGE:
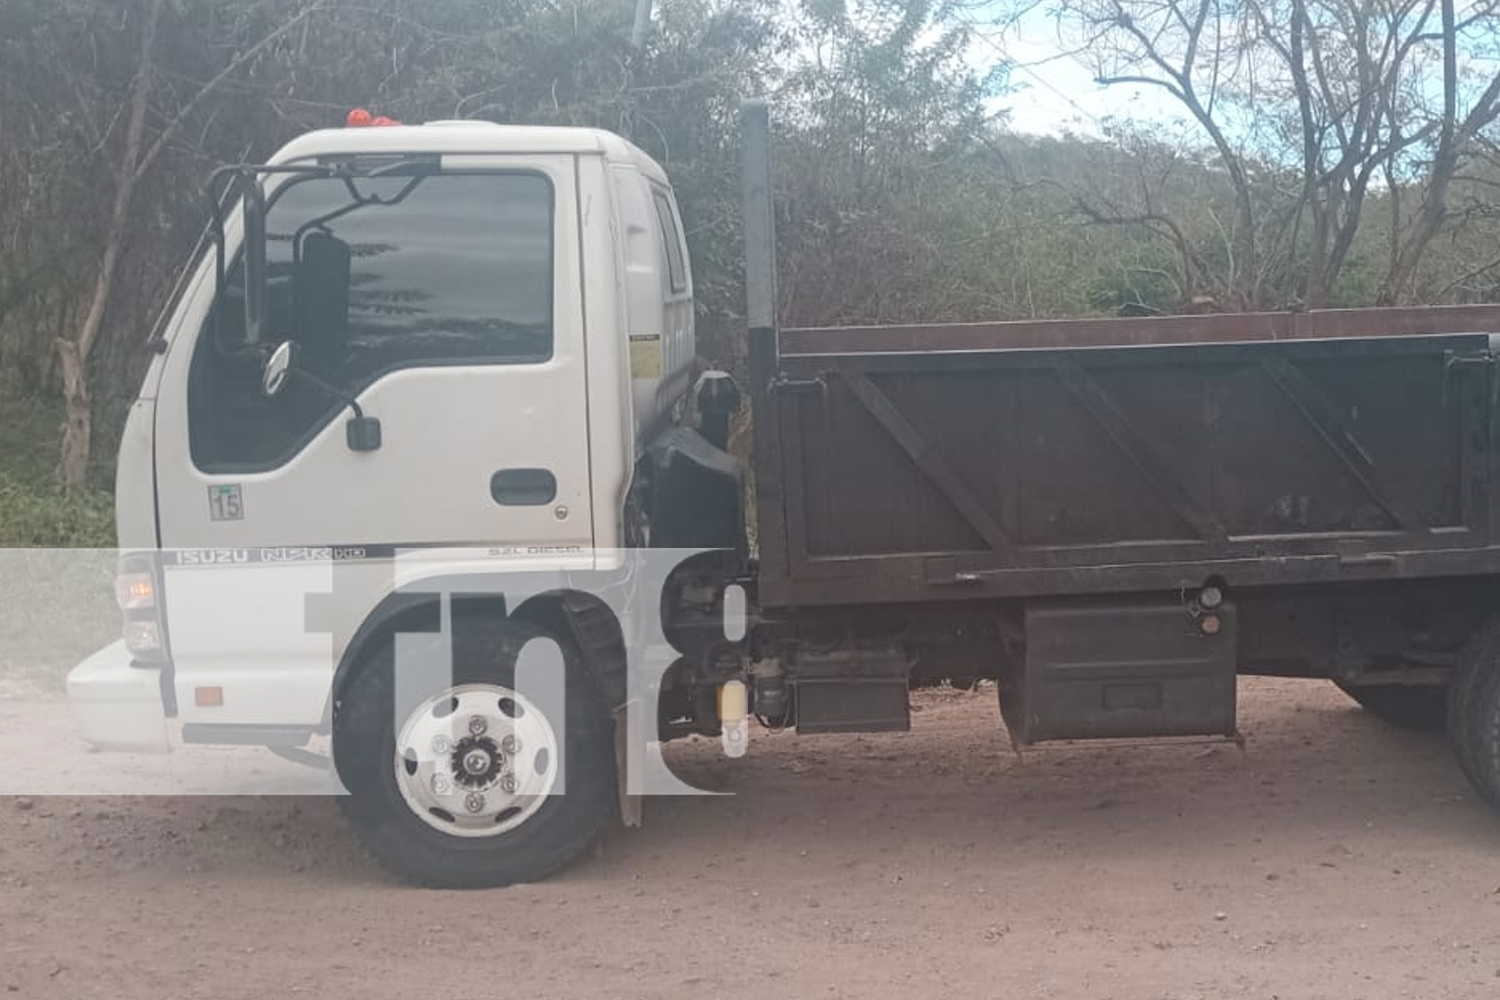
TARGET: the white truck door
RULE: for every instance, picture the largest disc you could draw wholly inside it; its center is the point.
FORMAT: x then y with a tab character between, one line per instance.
461	332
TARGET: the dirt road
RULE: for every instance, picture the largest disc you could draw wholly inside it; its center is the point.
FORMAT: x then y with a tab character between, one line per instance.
1338	859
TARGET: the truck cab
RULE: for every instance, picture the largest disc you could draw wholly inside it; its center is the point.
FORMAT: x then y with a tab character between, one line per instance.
500	298
450	336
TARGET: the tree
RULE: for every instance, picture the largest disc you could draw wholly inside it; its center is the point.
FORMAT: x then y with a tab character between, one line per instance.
129	158
1341	97
1458	132
879	100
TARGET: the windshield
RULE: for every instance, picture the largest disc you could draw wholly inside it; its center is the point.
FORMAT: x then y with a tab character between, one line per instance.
444	267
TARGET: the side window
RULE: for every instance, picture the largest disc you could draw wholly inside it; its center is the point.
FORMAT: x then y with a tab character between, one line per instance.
418	271
676	266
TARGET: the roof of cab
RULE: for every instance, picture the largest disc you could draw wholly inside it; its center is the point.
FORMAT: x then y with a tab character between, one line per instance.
468	136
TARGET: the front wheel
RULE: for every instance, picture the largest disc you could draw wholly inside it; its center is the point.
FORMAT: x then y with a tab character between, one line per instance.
467	781
1424	709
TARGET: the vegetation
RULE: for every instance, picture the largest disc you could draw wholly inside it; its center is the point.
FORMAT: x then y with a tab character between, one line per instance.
1335	152
35	511
1304	106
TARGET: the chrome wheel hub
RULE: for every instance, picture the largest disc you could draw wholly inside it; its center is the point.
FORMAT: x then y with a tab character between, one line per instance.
476	760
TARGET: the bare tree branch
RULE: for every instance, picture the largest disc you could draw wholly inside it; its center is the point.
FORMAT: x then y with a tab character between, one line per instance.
236	64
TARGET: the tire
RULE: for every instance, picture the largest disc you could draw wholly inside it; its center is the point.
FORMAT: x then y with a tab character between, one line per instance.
1474	711
1421	709
442	845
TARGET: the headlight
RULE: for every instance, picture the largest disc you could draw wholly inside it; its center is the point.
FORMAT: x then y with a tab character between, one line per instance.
142	637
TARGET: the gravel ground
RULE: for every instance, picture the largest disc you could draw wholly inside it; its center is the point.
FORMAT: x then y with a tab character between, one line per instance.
1338	858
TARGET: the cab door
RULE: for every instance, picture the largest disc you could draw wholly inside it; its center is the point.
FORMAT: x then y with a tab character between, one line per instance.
448	306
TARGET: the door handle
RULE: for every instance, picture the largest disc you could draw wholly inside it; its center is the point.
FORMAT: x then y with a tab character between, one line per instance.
523	487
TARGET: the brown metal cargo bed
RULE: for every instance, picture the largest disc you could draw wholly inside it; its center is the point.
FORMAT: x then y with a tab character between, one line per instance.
918	463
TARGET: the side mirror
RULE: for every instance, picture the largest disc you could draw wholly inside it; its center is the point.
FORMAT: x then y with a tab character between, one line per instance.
320	294
277	369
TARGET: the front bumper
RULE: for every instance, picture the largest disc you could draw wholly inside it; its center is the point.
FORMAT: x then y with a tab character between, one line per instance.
117	705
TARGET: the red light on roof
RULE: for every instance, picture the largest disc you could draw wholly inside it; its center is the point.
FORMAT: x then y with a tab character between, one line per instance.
358	118
383	120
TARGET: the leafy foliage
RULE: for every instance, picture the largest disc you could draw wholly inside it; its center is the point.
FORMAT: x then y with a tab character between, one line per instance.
902	196
34	512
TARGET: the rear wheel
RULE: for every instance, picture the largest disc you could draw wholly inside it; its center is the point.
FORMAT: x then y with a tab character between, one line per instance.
466	781
1410	707
1474	711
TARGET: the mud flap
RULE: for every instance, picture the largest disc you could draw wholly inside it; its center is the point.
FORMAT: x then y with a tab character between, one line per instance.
631	806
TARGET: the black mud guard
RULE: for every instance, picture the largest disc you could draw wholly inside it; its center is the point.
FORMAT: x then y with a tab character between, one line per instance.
696	493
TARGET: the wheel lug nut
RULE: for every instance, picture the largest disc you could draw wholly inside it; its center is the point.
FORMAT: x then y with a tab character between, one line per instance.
477	725
474	802
508	784
510	745
441	785
440	743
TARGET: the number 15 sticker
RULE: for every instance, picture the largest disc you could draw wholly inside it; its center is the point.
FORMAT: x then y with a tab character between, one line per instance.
226	503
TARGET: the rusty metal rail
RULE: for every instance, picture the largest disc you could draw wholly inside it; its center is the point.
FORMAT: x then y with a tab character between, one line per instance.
1327	324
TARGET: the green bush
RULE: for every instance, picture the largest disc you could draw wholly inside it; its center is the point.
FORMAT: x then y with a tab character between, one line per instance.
34	511
55	607
40	515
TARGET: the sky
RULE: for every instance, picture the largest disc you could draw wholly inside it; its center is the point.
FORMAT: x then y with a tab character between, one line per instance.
1054	92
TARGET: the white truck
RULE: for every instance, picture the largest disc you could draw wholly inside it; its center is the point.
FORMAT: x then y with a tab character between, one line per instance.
431	381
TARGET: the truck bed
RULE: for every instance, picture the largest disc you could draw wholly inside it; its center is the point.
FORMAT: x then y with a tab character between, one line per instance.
925	463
